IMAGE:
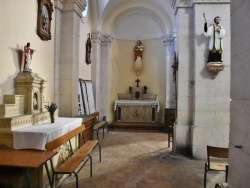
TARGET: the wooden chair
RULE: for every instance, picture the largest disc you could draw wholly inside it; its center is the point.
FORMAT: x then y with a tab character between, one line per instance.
99	125
215	152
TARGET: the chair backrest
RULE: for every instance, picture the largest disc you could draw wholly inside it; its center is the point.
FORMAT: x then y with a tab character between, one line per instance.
216	152
64	138
96	115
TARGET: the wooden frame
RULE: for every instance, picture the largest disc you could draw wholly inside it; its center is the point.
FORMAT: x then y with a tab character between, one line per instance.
44	17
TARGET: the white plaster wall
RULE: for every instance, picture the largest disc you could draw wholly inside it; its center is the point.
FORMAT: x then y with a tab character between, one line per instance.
122	74
18	26
212	96
239	160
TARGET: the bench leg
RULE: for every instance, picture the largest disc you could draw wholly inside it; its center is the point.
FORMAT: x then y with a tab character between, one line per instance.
97	134
90	164
76	175
100	153
103	132
107	128
48	174
28	179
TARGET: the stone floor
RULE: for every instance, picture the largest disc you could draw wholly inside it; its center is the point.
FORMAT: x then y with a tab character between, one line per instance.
141	160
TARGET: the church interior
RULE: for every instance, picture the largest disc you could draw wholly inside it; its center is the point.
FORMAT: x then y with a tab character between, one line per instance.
179	66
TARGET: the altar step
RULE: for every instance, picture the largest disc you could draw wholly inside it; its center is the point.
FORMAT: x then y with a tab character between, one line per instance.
137	126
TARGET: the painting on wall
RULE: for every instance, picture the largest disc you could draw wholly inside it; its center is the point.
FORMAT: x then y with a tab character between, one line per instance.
44	17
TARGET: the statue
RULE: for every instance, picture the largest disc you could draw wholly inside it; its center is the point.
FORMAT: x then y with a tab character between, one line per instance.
215	33
88	50
27	58
138	66
138	58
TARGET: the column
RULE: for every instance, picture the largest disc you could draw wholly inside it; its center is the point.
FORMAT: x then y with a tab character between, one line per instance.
106	107
58	16
69	56
184	46
95	66
168	44
212	96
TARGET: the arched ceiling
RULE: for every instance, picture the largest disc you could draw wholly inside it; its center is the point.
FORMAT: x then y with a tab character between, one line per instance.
111	14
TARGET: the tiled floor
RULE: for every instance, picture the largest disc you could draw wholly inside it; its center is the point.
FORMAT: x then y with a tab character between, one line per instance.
141	160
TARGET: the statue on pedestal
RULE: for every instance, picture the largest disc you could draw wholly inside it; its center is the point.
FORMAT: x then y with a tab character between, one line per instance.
27	58
138	58
215	33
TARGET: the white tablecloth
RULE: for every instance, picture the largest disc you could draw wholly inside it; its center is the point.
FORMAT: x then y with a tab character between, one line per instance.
37	136
137	102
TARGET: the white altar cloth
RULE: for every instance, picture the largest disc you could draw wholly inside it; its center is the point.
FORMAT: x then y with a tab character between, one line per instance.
37	136
137	102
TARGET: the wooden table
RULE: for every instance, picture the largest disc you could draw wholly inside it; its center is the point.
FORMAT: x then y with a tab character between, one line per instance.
28	159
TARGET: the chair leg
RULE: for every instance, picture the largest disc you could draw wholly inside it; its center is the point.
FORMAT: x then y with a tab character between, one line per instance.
226	172
205	179
103	131
205	175
97	134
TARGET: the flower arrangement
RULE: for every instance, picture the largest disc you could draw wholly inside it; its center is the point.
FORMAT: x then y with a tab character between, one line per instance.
51	108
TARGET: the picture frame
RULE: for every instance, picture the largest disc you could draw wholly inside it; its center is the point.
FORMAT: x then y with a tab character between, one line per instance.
81	110
90	94
44	17
84	96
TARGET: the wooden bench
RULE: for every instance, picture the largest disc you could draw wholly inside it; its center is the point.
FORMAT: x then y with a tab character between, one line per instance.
99	125
81	154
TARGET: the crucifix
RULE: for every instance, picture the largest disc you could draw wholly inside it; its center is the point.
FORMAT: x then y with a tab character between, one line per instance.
137	82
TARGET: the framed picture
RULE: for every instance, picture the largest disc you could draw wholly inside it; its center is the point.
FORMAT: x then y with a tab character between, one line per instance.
45	9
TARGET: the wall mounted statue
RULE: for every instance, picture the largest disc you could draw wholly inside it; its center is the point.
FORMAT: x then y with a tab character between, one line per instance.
215	33
88	50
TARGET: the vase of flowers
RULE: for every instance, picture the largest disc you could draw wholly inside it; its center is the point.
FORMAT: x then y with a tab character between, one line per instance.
51	108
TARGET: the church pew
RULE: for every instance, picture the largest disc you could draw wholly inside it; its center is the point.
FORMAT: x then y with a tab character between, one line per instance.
99	125
83	153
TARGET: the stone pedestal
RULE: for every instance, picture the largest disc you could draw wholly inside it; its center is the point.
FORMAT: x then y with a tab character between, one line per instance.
31	86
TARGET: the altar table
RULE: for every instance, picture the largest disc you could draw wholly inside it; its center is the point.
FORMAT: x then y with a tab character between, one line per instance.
36	136
136	110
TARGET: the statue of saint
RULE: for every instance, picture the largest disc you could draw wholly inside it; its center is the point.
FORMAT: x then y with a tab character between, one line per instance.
138	57
88	50
28	52
215	33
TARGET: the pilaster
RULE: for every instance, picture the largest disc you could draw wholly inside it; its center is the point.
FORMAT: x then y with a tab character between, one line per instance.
105	69
58	5
169	47
212	96
184	50
69	56
95	65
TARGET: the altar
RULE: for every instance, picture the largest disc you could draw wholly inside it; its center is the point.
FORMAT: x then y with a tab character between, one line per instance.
136	110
